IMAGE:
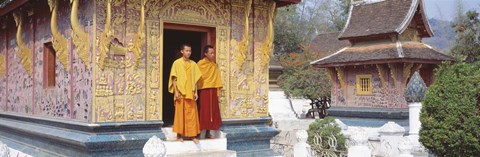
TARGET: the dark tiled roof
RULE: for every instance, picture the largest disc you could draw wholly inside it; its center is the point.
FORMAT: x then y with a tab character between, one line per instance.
281	3
383	53
380	18
4	3
326	44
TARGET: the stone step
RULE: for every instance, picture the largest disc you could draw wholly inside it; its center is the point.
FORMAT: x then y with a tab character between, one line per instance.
188	146
175	147
223	153
276	95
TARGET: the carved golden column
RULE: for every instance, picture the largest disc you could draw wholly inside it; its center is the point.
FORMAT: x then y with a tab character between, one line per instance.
59	43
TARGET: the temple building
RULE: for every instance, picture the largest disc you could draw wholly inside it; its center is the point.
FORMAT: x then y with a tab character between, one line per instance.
385	49
89	77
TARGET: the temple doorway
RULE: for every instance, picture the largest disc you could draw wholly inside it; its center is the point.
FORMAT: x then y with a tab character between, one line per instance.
174	35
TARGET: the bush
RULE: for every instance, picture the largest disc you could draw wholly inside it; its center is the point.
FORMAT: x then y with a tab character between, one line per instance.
325	129
451	111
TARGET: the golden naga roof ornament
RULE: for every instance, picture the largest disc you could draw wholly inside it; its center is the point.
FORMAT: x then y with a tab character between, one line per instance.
244	45
24	52
267	47
104	42
138	40
59	43
79	37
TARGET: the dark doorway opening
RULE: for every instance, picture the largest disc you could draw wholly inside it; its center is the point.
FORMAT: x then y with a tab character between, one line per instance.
173	37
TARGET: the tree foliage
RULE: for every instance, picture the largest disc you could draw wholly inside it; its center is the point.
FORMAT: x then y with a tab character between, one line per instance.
299	24
451	111
300	79
325	128
467	28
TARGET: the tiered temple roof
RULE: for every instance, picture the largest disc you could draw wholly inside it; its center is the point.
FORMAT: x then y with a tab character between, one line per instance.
385	31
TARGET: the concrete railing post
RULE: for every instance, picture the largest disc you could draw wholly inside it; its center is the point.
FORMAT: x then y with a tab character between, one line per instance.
301	148
390	136
358	144
154	148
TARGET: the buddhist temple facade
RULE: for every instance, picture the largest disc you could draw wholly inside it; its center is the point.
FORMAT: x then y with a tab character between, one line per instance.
89	76
385	49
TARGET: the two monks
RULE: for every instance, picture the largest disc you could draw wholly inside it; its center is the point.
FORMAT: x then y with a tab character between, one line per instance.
186	77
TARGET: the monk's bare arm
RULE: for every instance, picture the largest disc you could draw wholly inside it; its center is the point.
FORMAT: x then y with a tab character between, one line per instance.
196	95
177	95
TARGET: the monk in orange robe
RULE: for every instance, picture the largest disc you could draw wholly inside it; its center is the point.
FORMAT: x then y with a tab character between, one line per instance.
183	83
209	86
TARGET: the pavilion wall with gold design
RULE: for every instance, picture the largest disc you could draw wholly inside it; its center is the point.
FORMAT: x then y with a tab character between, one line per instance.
99	80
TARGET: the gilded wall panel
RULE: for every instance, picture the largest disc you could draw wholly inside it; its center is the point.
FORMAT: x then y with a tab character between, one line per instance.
223	55
154	70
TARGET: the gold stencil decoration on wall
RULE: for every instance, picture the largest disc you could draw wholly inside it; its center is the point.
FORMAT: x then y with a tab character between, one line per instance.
59	43
24	52
79	37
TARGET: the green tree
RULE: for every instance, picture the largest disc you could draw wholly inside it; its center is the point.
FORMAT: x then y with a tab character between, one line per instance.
299	24
467	28
300	79
451	111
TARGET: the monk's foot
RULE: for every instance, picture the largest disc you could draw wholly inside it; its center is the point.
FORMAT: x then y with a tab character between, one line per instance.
180	139
210	137
196	140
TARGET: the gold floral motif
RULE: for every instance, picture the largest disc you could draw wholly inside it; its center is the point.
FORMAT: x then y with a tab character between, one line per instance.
24	52
59	43
79	37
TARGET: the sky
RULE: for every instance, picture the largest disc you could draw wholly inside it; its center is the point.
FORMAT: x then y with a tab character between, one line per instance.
445	9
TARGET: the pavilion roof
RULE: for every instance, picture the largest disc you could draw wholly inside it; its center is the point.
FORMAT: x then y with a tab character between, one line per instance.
386	52
384	17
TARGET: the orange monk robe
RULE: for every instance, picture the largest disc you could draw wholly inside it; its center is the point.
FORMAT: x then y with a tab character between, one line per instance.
210	75
209	87
185	120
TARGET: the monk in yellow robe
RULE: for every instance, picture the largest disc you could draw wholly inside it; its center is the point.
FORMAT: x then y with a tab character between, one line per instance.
183	83
209	86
